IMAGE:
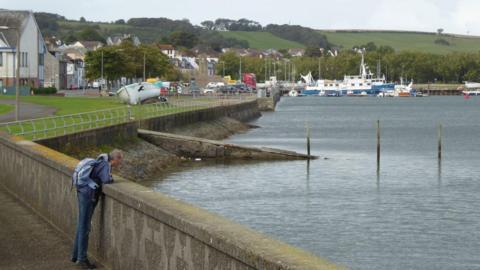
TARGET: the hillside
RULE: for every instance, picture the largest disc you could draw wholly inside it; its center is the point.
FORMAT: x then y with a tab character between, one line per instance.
262	40
423	42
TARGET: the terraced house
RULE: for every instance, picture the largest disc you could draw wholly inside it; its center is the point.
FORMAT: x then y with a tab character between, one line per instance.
32	50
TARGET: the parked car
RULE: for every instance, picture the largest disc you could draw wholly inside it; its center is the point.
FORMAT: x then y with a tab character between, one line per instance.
215	84
209	91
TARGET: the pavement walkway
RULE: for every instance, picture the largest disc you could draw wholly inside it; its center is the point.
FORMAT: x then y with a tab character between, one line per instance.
27	111
27	241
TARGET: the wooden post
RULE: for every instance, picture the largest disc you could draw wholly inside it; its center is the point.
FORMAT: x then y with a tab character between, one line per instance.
308	140
440	142
378	146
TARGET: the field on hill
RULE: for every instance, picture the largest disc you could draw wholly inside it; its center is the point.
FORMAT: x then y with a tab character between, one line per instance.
423	42
263	40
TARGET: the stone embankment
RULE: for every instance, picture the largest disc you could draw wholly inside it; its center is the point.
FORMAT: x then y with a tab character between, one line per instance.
193	147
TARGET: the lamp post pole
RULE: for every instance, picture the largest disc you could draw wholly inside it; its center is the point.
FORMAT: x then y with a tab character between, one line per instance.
101	72
223	69
17	89
144	66
240	70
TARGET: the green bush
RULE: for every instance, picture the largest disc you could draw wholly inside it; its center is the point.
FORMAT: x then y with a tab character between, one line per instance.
442	41
45	91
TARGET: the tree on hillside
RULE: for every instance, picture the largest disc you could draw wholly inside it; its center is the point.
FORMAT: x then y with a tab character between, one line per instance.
48	22
183	39
313	52
369	47
70	38
120	21
385	49
442	41
82	19
209	25
440	31
90	33
297	33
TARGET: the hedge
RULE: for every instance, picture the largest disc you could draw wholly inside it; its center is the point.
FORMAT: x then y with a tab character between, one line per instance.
44	91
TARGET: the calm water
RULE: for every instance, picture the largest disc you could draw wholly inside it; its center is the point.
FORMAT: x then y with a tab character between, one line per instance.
417	214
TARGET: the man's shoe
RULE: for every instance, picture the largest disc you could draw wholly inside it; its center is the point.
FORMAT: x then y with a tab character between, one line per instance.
74	260
86	264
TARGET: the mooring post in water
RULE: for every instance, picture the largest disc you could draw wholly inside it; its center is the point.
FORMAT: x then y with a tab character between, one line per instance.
308	139
378	146
440	142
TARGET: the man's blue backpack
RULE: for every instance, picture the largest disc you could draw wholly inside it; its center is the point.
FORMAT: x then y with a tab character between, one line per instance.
81	175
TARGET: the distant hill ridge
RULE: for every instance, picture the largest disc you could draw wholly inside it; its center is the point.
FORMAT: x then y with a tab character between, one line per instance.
394	31
250	34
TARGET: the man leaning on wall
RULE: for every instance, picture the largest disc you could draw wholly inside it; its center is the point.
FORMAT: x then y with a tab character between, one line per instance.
89	177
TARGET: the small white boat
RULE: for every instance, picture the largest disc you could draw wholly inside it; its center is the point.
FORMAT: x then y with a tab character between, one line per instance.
136	93
293	93
471	93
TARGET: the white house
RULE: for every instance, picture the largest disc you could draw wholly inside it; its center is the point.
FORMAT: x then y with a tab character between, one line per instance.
88	45
117	40
32	49
168	50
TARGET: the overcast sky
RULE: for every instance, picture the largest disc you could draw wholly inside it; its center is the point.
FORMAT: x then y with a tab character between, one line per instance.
461	16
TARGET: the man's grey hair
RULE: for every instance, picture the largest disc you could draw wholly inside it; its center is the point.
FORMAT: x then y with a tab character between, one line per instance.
116	154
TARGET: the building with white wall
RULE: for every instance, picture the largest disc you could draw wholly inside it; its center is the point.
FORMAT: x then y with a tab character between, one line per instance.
32	49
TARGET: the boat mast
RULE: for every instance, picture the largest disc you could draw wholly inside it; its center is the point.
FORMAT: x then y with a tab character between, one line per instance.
379	68
319	68
363	71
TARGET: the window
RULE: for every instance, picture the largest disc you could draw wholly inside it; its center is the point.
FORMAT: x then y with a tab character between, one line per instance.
1	59
353	84
24	59
361	84
40	59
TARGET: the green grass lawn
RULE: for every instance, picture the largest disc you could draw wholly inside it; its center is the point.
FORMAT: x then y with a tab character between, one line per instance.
71	105
262	40
405	41
5	108
91	117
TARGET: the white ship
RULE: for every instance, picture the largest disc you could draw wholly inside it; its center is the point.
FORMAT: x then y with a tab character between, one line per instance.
365	84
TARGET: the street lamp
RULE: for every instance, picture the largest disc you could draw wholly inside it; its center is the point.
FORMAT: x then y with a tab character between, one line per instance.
240	70
223	69
17	80
144	55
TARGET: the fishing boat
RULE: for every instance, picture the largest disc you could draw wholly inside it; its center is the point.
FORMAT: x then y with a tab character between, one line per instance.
402	90
364	84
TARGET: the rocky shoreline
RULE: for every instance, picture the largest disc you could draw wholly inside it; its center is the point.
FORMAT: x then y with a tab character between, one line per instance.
145	161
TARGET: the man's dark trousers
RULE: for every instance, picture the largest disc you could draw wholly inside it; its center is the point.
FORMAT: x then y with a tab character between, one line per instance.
86	206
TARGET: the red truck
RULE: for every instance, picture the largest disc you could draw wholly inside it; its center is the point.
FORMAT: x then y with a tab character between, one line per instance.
250	80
